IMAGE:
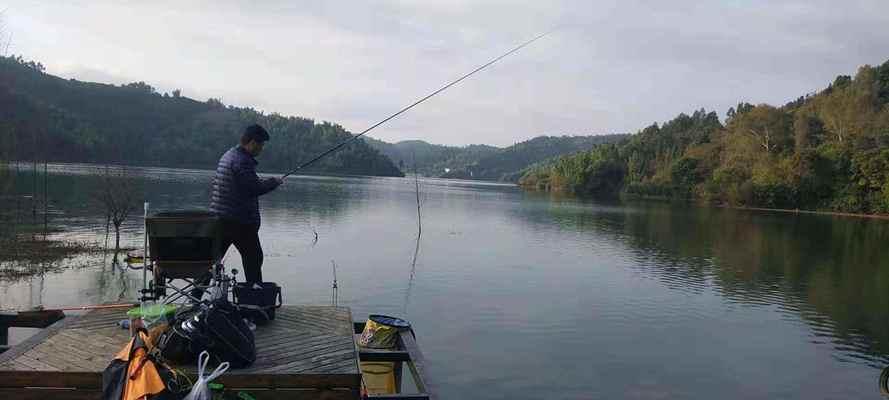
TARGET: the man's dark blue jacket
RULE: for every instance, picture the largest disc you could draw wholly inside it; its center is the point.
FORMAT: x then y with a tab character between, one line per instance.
236	187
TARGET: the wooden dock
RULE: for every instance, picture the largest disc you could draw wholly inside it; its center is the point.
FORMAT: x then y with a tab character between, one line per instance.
307	352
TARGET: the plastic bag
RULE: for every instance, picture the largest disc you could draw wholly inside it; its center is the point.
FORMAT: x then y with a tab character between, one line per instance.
201	389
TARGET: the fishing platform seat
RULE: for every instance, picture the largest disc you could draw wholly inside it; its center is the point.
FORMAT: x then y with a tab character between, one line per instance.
183	245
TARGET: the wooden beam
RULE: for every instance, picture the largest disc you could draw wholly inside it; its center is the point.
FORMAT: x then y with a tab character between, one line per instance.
93	380
417	364
292	381
32	341
398	369
30	319
383	355
50	379
293	394
54	394
399	396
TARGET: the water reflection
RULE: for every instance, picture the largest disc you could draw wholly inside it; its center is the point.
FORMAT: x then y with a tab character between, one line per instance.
833	272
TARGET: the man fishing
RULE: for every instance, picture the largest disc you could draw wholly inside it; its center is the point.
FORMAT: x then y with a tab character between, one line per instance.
235	199
236	187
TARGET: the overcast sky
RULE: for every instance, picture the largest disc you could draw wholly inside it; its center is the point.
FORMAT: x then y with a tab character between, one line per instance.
613	66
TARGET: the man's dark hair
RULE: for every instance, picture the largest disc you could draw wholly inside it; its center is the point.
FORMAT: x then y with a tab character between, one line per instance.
254	132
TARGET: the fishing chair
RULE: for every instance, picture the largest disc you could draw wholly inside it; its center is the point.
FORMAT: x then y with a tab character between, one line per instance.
184	257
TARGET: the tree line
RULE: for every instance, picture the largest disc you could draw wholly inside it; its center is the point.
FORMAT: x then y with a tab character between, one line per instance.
484	162
824	151
47	117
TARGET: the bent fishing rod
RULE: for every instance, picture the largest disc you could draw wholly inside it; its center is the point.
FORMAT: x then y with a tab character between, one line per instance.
414	104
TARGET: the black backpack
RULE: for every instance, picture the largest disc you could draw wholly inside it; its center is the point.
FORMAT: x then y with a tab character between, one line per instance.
225	335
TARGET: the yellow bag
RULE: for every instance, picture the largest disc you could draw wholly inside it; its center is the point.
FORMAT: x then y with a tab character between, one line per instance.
381	331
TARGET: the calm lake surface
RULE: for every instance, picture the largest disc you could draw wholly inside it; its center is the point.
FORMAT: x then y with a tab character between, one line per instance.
524	296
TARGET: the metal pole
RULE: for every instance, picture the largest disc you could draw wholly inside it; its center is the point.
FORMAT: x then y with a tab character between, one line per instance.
144	256
45	199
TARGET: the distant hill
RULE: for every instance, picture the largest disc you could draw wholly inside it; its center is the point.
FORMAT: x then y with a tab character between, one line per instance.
45	116
506	163
482	161
431	159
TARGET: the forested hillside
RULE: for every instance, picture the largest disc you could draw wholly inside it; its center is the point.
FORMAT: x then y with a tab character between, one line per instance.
482	161
506	164
826	151
46	117
430	159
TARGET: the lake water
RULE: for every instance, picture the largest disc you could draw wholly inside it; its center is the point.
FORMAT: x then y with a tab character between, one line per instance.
524	296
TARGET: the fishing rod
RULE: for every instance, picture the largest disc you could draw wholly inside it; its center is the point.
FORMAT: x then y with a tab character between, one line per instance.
81	308
414	104
94	307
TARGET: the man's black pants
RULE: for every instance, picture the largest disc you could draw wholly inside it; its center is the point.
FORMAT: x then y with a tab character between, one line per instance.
245	237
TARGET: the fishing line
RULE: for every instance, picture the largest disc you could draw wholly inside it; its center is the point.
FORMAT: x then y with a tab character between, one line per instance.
414	104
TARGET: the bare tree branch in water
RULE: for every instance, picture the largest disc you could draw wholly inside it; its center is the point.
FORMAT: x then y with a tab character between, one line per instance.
117	196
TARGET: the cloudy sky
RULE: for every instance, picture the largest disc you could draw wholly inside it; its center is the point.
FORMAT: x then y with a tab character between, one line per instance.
613	66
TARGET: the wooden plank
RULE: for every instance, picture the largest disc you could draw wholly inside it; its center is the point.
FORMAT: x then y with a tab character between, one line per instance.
350	334
309	324
70	379
86	350
398	370
95	347
15	366
30	319
97	340
399	396
318	315
87	380
291	337
296	394
417	364
336	367
300	366
35	364
326	314
62	361
271	381
83	380
293	361
297	353
285	339
54	394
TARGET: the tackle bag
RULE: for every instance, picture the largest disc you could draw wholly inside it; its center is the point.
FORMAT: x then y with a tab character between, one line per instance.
258	304
222	331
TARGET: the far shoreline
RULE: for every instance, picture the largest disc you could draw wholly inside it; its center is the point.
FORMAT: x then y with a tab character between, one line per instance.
691	202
